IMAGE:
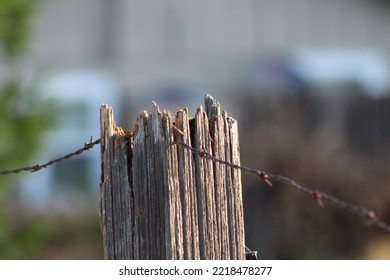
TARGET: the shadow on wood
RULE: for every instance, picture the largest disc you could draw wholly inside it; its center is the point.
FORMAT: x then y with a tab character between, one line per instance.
160	201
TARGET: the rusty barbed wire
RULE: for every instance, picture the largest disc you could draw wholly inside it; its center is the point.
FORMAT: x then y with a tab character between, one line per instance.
319	196
87	147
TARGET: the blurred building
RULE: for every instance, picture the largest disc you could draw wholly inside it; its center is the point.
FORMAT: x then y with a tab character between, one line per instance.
174	51
210	44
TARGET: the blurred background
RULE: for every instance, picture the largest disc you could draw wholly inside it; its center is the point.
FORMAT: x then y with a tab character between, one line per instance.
307	80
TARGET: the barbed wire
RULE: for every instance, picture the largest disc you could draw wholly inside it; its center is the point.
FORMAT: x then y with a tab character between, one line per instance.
319	196
87	147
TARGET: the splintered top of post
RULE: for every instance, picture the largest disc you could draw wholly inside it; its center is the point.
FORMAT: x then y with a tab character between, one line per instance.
160	198
213	107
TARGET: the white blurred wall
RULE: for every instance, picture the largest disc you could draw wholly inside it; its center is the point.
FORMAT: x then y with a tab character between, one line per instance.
200	42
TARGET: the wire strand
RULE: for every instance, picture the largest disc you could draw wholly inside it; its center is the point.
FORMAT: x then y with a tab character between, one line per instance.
270	179
87	147
319	196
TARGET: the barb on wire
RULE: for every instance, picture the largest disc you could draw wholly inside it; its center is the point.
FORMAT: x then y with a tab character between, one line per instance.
319	196
87	147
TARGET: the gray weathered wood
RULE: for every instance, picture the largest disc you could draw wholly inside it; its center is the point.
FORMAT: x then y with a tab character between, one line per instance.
158	200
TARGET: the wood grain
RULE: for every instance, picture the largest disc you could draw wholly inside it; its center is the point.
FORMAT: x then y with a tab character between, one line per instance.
158	200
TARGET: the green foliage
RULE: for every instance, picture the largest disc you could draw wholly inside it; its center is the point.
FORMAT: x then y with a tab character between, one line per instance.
23	120
15	20
27	240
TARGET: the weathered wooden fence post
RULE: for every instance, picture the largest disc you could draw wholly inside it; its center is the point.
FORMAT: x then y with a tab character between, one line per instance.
158	200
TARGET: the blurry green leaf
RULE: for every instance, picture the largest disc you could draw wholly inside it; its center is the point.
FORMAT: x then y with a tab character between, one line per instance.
23	120
27	240
15	23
